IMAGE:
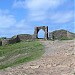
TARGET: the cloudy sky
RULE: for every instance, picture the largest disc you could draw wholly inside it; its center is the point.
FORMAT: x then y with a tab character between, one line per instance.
21	16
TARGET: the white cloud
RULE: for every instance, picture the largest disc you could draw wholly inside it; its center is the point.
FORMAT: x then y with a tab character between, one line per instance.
9	25
6	20
38	9
37	4
62	17
37	16
19	3
42	4
4	11
23	24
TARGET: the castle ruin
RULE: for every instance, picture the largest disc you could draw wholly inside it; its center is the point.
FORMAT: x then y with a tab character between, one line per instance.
37	29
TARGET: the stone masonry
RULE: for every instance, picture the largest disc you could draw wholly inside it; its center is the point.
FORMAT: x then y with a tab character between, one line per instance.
10	41
37	29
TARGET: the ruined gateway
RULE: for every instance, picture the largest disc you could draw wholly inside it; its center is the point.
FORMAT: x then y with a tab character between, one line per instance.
37	29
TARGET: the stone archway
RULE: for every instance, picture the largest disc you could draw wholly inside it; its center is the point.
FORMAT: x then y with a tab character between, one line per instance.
37	29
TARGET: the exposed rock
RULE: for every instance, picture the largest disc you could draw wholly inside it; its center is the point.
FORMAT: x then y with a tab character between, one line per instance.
34	66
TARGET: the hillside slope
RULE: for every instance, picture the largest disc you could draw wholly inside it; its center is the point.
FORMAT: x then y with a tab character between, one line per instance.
17	53
58	59
61	35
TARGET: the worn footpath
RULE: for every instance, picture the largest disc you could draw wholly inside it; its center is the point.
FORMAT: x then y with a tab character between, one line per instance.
58	59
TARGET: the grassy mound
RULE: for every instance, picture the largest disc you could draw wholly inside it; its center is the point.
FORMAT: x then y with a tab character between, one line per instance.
20	52
61	35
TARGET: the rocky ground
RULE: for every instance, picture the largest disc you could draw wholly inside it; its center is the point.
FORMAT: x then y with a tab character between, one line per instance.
58	59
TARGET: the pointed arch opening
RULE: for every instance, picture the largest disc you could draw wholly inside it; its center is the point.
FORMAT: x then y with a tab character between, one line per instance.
41	34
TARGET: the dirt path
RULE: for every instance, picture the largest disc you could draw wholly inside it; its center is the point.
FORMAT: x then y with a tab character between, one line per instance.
58	59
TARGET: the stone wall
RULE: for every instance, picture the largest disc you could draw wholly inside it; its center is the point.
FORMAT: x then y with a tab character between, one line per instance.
61	35
10	41
24	37
18	38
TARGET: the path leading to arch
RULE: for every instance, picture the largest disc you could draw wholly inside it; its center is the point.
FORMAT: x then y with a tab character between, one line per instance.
58	59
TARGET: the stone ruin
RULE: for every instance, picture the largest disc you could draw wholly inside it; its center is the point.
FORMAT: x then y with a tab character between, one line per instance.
10	41
37	29
24	37
15	39
58	34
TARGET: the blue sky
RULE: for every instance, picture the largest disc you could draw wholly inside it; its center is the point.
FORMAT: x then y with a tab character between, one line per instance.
21	16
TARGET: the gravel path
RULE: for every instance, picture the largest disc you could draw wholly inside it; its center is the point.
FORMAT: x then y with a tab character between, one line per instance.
58	59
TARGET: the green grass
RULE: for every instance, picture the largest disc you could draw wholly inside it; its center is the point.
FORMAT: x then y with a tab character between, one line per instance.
14	54
65	38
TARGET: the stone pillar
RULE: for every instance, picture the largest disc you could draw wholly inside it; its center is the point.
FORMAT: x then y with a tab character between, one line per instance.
46	32
36	33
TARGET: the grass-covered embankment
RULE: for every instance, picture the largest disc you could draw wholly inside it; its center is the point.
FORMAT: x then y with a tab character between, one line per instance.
14	54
